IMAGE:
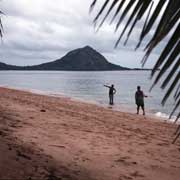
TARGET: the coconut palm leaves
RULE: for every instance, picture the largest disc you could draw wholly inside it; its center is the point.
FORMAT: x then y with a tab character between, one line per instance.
1	27
164	18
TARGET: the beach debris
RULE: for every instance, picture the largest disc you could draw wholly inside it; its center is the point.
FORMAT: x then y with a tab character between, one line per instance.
43	110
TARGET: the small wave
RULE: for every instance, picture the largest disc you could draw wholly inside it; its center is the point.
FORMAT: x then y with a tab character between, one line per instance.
164	115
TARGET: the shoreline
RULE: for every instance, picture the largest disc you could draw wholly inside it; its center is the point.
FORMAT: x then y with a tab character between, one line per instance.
120	108
44	137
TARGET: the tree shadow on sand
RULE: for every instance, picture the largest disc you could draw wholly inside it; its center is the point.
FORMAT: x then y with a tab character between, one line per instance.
24	160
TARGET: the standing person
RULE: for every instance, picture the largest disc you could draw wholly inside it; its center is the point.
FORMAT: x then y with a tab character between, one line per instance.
139	98
112	91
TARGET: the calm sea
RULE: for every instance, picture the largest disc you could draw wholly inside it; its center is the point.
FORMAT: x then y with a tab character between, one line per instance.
88	86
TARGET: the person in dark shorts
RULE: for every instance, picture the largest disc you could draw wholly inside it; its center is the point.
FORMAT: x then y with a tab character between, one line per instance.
112	91
139	98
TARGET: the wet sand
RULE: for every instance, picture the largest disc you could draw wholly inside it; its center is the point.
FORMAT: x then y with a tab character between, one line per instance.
52	138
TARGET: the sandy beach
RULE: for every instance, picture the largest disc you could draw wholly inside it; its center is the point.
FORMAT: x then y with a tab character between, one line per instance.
56	138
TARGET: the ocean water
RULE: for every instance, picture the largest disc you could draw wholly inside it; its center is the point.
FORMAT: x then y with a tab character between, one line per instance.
88	86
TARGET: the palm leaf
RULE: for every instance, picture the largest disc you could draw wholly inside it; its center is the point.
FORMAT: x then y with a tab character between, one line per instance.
101	10
171	9
145	24
175	108
178	134
139	16
92	5
168	63
152	19
118	9
173	40
172	72
165	24
174	83
177	93
126	10
177	96
162	29
178	128
1	26
110	9
135	11
140	9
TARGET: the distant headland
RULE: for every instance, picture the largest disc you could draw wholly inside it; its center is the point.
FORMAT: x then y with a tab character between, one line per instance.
81	59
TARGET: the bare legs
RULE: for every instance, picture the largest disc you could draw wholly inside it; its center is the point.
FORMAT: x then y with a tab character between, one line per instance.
142	107
111	99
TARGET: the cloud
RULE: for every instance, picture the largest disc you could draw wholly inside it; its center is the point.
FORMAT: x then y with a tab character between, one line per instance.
39	31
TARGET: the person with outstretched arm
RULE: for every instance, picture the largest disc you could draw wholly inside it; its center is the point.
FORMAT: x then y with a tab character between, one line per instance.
112	91
139	98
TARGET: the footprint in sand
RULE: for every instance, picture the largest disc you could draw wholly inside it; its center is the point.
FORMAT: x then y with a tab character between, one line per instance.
124	177
174	166
162	144
130	151
137	174
154	166
85	159
20	154
76	172
125	161
76	158
141	143
2	133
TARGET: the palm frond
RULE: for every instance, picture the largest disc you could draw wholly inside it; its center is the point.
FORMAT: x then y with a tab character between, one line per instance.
145	24
152	20
1	26
177	130
142	10
163	28
168	63
173	40
101	10
118	9
135	11
126	10
175	108
110	9
171	88
178	135
92	5
177	93
170	75
167	23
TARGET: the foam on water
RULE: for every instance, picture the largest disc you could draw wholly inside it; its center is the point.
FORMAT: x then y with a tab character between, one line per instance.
88	87
122	108
165	116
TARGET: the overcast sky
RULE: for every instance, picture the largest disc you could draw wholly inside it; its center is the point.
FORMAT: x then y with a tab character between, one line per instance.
37	31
